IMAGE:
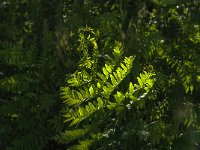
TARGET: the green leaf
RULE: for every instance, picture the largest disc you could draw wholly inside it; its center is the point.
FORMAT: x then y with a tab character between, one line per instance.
106	92
185	122
87	94
91	90
106	89
140	82
117	77
98	85
83	145
106	73
79	95
131	88
133	98
189	123
108	68
112	106
124	67
81	111
102	77
110	86
191	88
100	102
69	136
92	108
113	80
120	72
187	88
119	97
75	121
87	108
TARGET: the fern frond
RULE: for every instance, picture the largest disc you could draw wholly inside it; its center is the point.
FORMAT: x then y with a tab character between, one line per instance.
13	83
69	136
12	56
85	144
74	97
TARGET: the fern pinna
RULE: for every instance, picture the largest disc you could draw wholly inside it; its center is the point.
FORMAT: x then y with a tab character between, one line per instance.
93	100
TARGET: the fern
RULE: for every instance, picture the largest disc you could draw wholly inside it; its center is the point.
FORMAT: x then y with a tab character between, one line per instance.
12	56
70	136
104	89
88	95
28	77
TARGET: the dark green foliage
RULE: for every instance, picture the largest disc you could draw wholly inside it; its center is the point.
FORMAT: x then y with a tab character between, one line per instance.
94	99
29	81
127	73
162	110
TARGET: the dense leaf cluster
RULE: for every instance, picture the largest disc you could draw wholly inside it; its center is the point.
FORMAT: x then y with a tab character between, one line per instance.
88	74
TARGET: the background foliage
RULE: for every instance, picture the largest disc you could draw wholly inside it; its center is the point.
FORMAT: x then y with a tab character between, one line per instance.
127	73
